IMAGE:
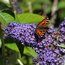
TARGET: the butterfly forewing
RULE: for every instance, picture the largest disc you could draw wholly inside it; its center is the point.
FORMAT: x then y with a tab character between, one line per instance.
43	23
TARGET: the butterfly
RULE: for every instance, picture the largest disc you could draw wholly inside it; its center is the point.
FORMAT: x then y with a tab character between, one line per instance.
42	28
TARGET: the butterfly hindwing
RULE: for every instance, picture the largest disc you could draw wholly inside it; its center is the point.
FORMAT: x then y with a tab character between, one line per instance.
39	32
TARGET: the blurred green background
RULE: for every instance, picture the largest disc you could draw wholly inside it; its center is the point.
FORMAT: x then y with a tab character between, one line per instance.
27	11
50	8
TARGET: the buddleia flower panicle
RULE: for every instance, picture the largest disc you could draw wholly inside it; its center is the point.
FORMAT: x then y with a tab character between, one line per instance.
62	27
22	32
48	53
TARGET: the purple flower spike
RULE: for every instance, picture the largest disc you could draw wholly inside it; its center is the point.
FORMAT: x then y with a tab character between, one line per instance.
48	51
62	27
22	32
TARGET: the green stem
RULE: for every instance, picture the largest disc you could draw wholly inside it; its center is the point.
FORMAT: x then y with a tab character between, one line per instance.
19	61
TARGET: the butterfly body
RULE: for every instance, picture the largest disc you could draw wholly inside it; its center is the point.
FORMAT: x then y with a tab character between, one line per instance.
41	28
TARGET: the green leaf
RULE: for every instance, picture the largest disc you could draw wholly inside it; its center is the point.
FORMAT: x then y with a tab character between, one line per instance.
62	45
1	61
29	18
43	1
30	51
0	43
3	6
5	18
27	61
12	46
61	5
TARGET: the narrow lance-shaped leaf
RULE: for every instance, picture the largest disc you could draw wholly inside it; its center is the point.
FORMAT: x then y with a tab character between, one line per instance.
5	18
12	46
30	51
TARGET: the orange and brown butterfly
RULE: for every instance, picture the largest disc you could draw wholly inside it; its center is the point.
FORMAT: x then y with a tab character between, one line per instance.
42	28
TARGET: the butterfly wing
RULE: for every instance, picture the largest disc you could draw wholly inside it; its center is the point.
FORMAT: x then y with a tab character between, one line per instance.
41	28
39	32
43	23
